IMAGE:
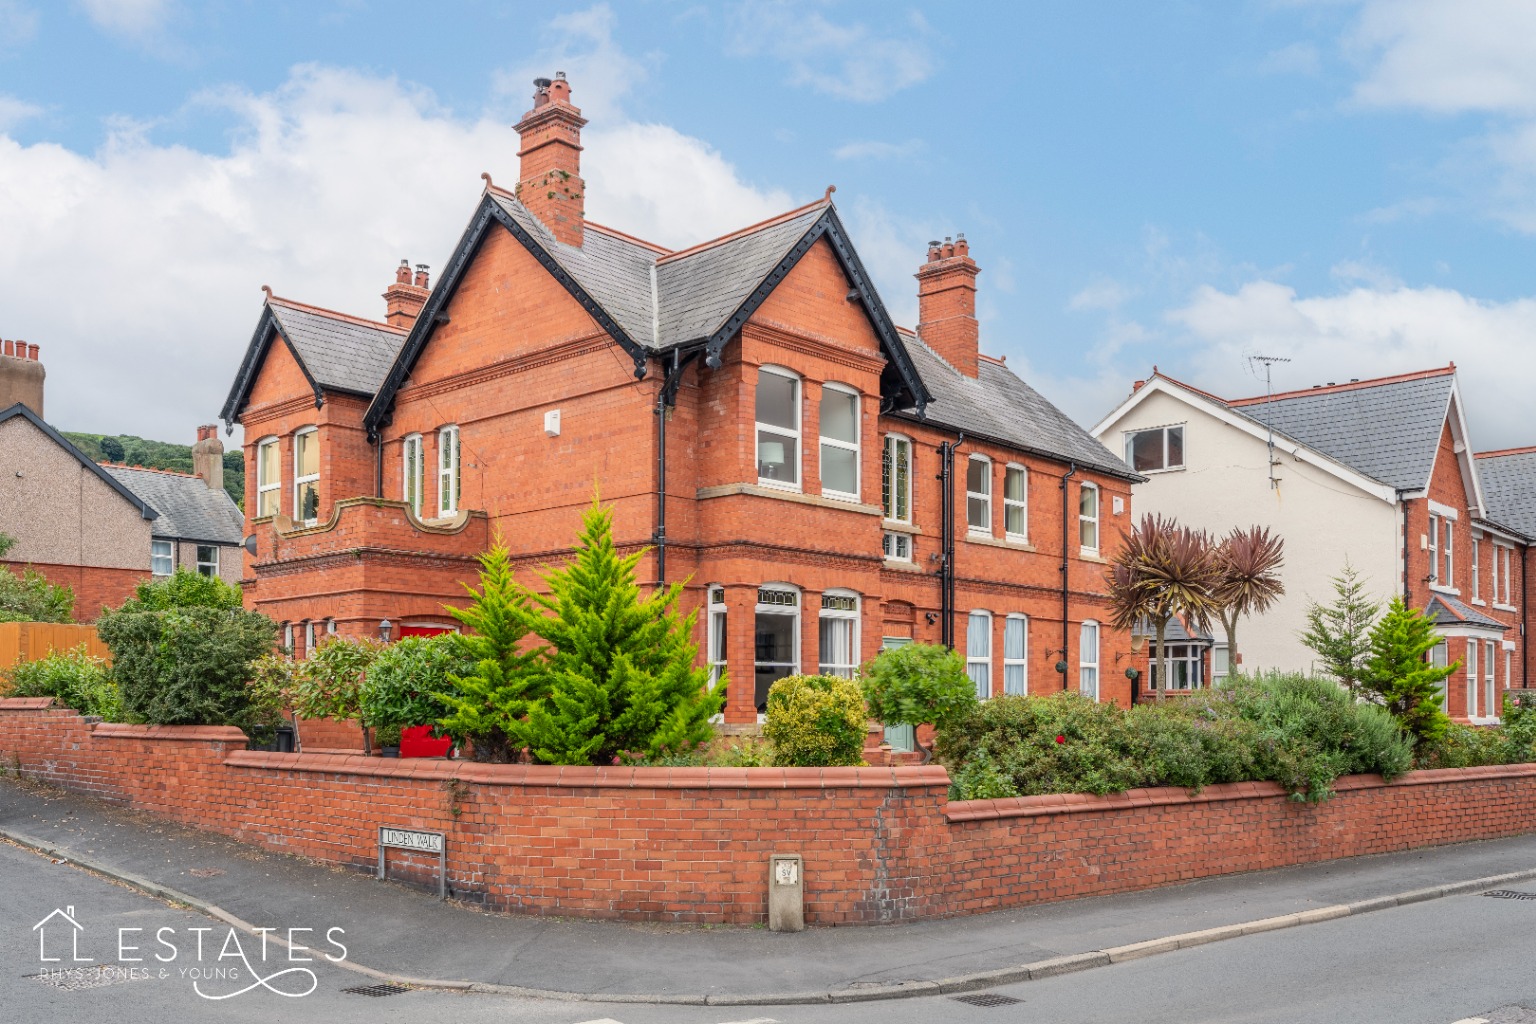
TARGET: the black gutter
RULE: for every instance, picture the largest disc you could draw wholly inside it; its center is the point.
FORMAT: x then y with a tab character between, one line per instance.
1065	563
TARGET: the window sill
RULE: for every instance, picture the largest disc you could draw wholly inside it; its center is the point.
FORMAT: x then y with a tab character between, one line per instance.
899	565
1450	591
839	496
780	494
1092	555
778	485
897	526
1504	607
1156	472
1479	602
993	542
1484	721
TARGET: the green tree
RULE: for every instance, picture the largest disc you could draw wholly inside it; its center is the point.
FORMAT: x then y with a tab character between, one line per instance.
27	596
403	682
1340	632
111	449
621	675
1248	578
486	704
183	589
919	684
1398	674
1160	571
330	682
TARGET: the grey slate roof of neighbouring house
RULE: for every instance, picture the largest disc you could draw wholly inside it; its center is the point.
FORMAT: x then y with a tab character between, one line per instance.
1388	431
1445	610
189	509
1509	489
999	406
340	352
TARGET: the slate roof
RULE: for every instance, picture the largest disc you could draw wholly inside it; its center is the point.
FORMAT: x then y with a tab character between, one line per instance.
145	510
1388	430
189	509
1445	610
1509	489
341	352
999	406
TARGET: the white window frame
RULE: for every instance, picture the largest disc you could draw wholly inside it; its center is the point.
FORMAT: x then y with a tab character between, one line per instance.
1181	653
858	416
979	665
1503	574
1472	677
717	653
890	500
896	546
1130	437
790	437
1434	549
169	556
1439	656
1477	551
269	483
982	496
212	564
1088	667
839	597
309	638
313	433
413	472
1448	550
1491	707
1083	521
288	638
1218	677
1016	681
449	479
1021	503
771	608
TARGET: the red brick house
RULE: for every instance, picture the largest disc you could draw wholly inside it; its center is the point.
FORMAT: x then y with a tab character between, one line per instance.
828	483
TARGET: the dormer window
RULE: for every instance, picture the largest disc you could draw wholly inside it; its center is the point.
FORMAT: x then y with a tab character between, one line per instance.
778	428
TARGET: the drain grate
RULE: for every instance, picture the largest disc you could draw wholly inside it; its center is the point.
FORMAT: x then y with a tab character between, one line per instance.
987	999
377	991
1511	894
76	979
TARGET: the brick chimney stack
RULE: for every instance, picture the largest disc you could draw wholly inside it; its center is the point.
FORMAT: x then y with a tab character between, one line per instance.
549	181
21	376
946	303
208	457
403	299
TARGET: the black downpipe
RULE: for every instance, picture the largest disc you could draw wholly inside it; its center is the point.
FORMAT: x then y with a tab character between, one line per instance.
1066	627
666	400
378	465
947	541
1525	616
1407	594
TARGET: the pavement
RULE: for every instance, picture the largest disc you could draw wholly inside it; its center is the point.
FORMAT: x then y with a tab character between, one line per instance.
393	932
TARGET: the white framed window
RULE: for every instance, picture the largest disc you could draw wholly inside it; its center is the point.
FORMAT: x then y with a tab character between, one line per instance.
1503	578
776	635
1477	568
306	475
448	471
309	638
412	472
1186	667
330	627
1439	657
288	638
1150	451
778	428
1221	664
1016	654
208	559
162	557
1088	518
1490	680
269	477
1509	671
839	633
1434	549
1448	550
839	442
978	494
897	546
1088	660
1472	679
717	636
978	652
1016	503
896	478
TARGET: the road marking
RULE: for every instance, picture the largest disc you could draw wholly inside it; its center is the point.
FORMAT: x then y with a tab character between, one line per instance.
1464	1020
757	1020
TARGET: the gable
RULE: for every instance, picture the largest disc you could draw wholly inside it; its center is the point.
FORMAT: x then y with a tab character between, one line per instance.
279	378
813	299
1446	484
506	304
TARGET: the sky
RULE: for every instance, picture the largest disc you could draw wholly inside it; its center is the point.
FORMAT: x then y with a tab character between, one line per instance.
1348	184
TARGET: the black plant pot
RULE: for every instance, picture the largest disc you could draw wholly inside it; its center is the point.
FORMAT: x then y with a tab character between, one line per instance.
391	751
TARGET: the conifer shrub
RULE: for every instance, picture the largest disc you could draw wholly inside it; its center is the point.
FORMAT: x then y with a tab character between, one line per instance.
1399	676
73	678
816	722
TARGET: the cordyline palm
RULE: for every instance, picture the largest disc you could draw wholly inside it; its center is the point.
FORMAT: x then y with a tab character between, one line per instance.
1249	581
1162	570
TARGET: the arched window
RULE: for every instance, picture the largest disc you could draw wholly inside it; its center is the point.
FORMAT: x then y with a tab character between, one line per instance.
978	494
839	633
776	634
1016	655
306	475
412	473
448	471
778	428
839	441
1088	660
978	652
269	477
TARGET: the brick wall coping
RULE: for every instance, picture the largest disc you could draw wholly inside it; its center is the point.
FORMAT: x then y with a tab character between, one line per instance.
170	733
1088	803
25	703
558	777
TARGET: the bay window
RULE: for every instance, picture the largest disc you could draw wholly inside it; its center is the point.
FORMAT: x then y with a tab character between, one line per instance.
978	652
717	636
839	442
1186	667
448	471
839	633
306	475
778	428
978	494
269	478
776	638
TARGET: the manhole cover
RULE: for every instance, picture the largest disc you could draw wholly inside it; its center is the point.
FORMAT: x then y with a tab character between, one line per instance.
987	999
1511	894
76	978
377	991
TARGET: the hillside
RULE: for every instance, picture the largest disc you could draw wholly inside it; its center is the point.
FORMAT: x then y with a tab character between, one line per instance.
138	451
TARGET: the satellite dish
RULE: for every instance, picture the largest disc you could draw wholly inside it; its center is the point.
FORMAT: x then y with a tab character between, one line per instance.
250	544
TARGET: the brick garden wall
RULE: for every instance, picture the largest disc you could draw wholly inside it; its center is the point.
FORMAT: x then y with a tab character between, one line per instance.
685	844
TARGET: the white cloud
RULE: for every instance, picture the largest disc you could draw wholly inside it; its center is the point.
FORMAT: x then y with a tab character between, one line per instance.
1295	59
1102	294
875	150
851	61
132	18
13	111
137	267
1368	332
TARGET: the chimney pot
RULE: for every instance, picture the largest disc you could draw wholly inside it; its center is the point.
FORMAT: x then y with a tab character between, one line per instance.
8	347
32	351
1138	385
403	272
421	275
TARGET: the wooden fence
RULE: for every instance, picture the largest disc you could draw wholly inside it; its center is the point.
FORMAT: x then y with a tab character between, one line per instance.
31	641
